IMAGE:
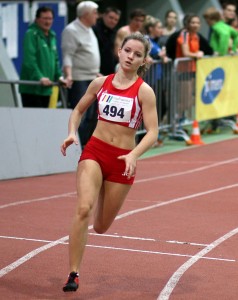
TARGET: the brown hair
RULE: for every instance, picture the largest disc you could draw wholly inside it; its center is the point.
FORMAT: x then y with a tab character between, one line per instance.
212	14
151	22
141	38
138	12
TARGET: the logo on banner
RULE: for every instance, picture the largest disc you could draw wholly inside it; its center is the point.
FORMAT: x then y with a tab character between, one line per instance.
213	85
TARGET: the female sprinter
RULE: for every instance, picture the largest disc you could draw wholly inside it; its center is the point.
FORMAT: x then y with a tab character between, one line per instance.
107	166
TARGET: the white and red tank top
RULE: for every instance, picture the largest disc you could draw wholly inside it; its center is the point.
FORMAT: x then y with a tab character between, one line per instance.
120	106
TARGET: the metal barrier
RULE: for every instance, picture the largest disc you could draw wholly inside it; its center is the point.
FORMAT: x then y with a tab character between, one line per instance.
183	108
184	98
159	78
14	83
174	87
172	101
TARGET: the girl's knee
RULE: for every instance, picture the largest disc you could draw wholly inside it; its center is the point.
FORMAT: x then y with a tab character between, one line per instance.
83	212
100	228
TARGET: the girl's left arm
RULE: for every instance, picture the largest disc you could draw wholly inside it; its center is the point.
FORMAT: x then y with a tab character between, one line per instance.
150	119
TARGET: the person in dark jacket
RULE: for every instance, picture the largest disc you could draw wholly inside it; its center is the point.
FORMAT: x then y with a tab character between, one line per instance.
105	31
40	60
171	42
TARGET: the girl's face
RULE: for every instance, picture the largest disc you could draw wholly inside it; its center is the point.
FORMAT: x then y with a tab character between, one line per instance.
171	19
132	55
194	24
157	29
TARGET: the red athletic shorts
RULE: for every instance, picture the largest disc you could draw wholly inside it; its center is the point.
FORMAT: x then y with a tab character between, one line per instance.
106	155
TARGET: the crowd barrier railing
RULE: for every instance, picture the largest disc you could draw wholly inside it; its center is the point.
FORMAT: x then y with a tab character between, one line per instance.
186	71
174	84
15	83
159	78
176	97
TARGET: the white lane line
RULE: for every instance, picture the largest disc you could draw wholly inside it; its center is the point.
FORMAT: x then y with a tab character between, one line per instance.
129	213
38	199
33	253
127	249
174	279
136	181
29	255
161	253
107	235
188	171
28	239
145	239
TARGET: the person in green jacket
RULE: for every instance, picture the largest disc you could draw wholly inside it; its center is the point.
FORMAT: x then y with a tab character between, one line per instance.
223	38
40	60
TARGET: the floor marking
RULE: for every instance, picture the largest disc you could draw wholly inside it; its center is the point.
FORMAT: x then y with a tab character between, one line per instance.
33	253
127	249
123	237
129	213
146	239
188	171
136	181
108	235
186	162
29	255
28	239
161	253
38	199
174	279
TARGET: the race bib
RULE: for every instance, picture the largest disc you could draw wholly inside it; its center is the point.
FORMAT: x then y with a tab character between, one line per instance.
115	108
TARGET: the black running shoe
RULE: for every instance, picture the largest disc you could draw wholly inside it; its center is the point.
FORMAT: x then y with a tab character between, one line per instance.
72	283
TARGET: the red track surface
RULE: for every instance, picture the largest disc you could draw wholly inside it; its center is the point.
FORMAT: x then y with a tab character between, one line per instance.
175	237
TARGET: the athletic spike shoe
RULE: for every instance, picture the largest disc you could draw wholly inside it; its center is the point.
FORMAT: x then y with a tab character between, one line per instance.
72	283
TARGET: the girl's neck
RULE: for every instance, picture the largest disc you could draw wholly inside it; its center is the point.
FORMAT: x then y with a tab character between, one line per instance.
126	76
124	79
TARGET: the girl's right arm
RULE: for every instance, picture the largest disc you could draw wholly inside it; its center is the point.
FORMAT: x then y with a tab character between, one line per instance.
76	115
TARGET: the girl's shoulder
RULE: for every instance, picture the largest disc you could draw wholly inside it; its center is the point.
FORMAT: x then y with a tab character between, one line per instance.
145	91
99	80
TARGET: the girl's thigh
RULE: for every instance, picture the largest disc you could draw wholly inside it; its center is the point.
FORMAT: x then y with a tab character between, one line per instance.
111	199
89	182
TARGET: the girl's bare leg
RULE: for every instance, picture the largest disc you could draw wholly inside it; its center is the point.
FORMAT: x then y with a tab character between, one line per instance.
111	198
89	182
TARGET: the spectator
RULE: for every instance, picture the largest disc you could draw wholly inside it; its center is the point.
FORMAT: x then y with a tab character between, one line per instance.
170	26
105	30
81	61
107	166
40	60
234	23
137	18
223	38
229	12
188	45
172	41
153	28
188	41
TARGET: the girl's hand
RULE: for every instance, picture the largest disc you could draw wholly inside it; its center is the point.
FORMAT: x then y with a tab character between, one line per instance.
200	54
130	162
72	138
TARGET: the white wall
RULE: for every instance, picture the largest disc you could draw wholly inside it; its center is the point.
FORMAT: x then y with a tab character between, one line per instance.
30	142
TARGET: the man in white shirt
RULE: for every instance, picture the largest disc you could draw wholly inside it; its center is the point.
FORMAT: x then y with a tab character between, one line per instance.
81	61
